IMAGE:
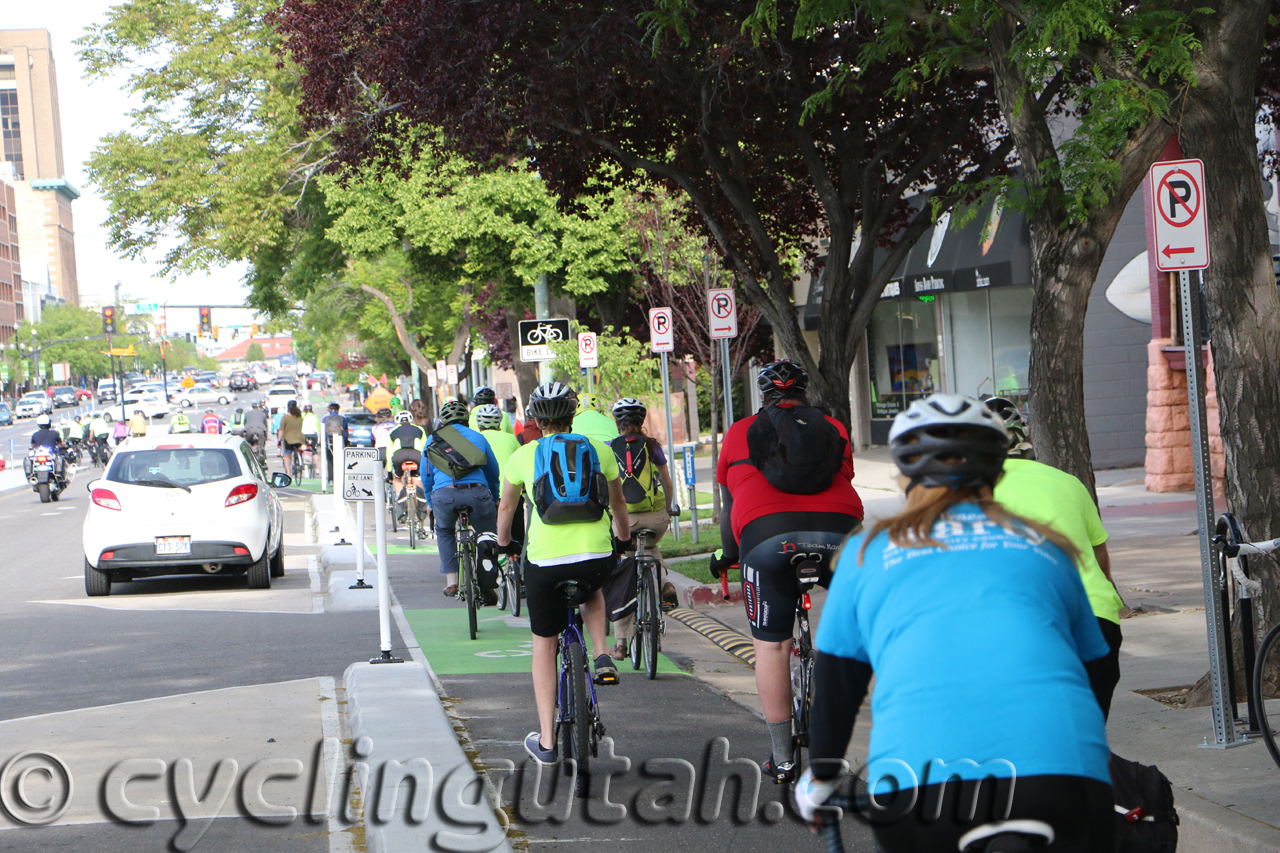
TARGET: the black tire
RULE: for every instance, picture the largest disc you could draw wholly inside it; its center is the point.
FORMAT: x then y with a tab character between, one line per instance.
468	566
277	562
576	734
637	640
54	494
652	628
411	518
513	585
45	494
96	583
1269	727
502	589
259	573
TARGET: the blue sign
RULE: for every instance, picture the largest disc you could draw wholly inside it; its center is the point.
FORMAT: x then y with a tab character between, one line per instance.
690	476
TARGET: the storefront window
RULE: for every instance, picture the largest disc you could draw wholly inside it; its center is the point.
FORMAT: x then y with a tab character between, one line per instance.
989	336
1011	341
970	337
904	354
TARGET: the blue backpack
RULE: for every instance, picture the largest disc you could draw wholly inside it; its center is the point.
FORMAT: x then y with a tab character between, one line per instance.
568	486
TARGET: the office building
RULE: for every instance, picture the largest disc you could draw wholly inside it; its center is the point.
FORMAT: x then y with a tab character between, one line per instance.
10	267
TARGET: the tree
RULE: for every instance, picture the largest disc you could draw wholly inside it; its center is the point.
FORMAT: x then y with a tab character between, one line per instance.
727	119
627	367
255	353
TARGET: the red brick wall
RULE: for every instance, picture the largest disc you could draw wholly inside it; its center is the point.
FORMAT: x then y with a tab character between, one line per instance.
1169	459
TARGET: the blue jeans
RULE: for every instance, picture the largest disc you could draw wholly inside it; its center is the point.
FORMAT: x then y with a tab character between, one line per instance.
484	519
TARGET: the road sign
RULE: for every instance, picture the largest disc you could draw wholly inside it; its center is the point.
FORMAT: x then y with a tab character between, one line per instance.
142	308
536	337
4	371
451	374
690	476
1178	211
662	330
587	354
361	473
722	308
440	369
433	379
187	382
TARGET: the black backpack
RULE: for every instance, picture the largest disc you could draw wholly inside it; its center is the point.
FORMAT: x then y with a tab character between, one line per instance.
796	448
454	453
1146	821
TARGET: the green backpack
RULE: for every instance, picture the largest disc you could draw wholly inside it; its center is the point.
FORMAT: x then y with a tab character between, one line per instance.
454	453
639	483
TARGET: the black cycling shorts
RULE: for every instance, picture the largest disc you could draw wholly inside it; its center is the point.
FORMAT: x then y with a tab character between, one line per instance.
1080	810
289	448
255	436
548	608
403	455
772	547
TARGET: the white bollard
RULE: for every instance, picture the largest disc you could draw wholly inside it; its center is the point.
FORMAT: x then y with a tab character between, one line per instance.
384	589
360	584
324	465
338	509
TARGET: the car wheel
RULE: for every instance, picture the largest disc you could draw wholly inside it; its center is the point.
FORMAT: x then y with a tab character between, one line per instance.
260	572
223	401
277	562
186	404
95	582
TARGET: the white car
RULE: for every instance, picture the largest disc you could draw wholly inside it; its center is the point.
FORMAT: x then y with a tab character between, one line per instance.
35	403
200	395
174	505
151	403
278	399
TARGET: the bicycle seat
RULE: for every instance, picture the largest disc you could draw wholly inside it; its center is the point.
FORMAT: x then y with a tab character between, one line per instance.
1007	836
572	591
808	572
408	466
463	508
647	533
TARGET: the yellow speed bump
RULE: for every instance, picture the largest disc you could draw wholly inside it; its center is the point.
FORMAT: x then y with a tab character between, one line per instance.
726	638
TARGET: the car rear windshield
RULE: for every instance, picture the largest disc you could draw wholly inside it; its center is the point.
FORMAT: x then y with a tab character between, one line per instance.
184	466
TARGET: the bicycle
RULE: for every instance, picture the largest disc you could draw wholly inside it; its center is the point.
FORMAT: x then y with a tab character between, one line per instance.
295	464
309	459
808	574
465	537
650	626
409	469
578	726
510	584
1229	537
544	332
393	506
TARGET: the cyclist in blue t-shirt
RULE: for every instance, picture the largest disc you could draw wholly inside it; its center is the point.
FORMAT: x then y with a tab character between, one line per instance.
977	627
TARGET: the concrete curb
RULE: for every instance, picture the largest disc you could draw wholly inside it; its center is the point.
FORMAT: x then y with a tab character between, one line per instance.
398	724
696	594
1206	827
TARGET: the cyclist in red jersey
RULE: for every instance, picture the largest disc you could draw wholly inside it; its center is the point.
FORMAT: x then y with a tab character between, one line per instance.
769	528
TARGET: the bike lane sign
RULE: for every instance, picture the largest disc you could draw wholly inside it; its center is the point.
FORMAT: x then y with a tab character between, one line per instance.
361	473
536	337
1179	216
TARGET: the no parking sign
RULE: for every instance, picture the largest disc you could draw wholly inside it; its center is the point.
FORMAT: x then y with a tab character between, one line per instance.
722	308
587	354
1179	215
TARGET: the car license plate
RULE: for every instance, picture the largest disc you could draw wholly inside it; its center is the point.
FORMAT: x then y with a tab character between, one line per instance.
169	545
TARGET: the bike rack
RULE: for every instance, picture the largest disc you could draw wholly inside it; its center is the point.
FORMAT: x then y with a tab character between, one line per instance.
1228	532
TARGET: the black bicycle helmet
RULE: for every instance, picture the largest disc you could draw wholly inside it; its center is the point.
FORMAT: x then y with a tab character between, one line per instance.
782	378
484	396
552	402
950	441
239	411
453	412
333	407
629	410
1013	420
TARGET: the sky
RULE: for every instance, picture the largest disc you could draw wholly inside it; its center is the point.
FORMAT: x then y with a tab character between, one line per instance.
90	111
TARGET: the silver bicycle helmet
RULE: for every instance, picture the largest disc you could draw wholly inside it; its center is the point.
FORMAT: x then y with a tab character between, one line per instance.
489	416
950	441
552	402
453	412
630	410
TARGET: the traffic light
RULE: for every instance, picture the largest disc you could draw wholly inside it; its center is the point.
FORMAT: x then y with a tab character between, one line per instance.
253	330
214	332
206	321
109	320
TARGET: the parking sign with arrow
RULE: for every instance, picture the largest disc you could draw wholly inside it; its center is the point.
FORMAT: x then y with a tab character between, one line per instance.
1178	211
722	309
662	332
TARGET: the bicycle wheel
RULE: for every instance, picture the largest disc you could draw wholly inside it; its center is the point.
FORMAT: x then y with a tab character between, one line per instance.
515	585
411	516
580	723
469	567
1266	675
653	623
639	619
801	691
502	588
393	507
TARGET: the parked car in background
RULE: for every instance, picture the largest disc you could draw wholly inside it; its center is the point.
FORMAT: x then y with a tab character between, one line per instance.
201	505
83	394
360	429
34	403
152	404
6	415
278	398
200	395
64	396
106	389
241	381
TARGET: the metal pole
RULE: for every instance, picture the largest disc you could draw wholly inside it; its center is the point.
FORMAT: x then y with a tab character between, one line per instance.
542	310
360	584
1224	730
727	368
671	452
338	508
384	589
324	463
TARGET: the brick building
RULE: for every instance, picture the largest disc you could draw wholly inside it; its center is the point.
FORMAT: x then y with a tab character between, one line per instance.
11	313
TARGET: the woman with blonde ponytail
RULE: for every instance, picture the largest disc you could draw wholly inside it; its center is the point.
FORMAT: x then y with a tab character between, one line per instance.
977	628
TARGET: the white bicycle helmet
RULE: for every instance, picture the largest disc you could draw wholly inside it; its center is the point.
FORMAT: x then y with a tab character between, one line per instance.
403	417
949	440
489	416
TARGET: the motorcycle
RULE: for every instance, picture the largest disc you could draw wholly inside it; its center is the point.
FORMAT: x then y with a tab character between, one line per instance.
46	472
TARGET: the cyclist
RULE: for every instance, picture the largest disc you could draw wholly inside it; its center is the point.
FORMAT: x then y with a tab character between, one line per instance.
237	422
382	426
581	551
643	468
119	431
489	420
406	443
486	396
467	474
775	528
589	421
138	423
179	423
256	424
335	423
1019	437
976	627
1058	500
98	429
211	424
290	435
310	429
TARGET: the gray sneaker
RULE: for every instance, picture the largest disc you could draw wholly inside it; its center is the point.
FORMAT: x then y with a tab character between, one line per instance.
533	746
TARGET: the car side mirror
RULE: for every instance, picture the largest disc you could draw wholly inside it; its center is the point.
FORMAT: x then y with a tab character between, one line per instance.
280	480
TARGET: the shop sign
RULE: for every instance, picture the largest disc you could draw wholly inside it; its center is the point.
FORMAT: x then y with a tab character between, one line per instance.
980	278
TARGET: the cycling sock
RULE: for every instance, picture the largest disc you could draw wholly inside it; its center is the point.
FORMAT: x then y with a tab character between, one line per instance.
780	734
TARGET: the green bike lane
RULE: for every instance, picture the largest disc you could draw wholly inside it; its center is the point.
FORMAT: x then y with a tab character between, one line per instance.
687	739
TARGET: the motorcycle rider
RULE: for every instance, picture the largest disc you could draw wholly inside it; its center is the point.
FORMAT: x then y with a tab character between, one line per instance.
44	436
179	423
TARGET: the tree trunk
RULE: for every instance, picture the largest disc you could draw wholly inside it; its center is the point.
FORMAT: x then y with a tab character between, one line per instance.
526	372
1239	285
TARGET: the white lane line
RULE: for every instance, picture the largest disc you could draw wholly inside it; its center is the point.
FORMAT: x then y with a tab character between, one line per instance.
317	589
172	609
50	513
71	578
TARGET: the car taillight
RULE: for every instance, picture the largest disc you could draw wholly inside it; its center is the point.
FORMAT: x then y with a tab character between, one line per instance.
242	493
106	499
